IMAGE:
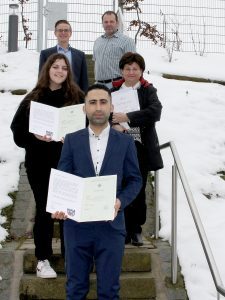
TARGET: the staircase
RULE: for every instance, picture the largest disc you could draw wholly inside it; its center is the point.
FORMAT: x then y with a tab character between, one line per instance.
145	270
137	279
90	68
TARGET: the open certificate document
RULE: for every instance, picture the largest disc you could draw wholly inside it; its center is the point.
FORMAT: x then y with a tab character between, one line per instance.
55	122
125	101
82	199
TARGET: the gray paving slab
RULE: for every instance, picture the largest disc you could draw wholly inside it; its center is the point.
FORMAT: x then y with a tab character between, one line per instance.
11	259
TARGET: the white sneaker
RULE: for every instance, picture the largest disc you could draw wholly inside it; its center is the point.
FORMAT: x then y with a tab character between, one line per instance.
44	270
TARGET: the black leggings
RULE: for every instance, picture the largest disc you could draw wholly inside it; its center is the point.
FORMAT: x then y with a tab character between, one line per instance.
44	224
135	213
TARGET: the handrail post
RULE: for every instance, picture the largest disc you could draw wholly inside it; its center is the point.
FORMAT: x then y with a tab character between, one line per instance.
174	225
156	201
197	220
218	296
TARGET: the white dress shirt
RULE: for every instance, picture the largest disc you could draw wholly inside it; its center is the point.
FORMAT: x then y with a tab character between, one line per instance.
98	146
135	87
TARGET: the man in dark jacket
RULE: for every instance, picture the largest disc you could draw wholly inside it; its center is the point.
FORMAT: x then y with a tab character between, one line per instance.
63	32
98	151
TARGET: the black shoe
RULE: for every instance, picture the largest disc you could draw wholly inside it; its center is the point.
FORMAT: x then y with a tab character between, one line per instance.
136	239
127	239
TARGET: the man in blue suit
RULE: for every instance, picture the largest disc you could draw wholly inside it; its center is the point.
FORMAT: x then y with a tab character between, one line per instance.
63	32
98	151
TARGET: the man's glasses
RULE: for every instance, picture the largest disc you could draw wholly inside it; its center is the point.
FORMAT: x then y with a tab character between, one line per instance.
63	30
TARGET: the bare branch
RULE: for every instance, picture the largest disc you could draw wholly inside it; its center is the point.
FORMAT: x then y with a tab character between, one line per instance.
143	28
27	33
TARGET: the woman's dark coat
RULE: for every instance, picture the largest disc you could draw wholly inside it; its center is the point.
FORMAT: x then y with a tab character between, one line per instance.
40	156
145	118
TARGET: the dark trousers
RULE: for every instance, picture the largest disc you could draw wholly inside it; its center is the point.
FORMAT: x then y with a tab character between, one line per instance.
88	241
135	213
44	224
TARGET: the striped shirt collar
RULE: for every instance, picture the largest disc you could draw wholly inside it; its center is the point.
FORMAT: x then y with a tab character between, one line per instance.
116	34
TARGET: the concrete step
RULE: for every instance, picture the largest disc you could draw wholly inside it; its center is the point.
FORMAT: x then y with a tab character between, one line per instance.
90	74
31	287
90	68
88	56
134	260
56	229
91	81
89	60
134	285
137	281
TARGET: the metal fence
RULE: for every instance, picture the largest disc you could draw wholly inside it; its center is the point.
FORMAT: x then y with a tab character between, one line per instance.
85	19
193	25
30	12
198	24
83	15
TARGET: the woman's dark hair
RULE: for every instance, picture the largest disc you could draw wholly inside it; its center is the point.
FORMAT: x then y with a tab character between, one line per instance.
72	92
130	57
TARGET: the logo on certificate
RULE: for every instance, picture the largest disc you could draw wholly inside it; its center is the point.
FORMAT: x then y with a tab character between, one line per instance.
49	133
70	212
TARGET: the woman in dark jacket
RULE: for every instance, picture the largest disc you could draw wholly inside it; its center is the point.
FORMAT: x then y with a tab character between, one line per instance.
55	87
142	128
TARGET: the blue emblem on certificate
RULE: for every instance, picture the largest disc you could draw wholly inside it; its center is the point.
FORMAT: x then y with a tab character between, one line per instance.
70	212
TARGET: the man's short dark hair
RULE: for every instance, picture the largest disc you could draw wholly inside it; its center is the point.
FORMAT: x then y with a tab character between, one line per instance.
98	86
62	22
132	57
110	12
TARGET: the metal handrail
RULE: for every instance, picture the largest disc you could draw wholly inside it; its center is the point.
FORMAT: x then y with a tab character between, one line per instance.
198	223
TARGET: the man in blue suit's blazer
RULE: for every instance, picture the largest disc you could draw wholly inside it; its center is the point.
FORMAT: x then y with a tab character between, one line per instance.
63	32
102	241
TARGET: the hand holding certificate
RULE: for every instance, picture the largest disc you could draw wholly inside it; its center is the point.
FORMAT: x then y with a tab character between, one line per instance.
82	199
125	101
55	122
